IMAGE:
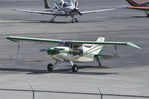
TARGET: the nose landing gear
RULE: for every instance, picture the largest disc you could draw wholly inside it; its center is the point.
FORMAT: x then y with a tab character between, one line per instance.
50	67
74	20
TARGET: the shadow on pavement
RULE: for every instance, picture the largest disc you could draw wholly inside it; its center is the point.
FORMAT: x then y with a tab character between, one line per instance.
61	71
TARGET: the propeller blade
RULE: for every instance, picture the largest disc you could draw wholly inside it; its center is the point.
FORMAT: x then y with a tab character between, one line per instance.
76	4
78	11
43	50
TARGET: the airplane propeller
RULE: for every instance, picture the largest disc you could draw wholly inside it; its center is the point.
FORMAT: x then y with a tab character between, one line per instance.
76	9
43	50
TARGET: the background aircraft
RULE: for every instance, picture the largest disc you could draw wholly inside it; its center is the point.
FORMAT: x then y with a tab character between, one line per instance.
63	8
143	5
74	51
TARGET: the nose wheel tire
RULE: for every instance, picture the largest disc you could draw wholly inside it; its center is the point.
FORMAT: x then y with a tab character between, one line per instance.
75	68
74	20
50	67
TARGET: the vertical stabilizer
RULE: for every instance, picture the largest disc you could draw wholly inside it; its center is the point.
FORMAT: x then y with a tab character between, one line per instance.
101	39
93	48
133	3
46	4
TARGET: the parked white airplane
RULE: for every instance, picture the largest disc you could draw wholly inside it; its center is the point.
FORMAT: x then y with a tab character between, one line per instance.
74	51
63	8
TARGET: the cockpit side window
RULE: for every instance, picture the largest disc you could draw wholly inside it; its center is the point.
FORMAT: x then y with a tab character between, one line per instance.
76	46
65	43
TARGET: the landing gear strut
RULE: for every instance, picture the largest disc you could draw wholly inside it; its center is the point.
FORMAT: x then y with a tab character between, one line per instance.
75	68
50	67
52	20
99	64
97	59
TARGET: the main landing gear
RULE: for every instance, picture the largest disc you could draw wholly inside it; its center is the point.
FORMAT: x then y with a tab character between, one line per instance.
75	68
50	67
98	61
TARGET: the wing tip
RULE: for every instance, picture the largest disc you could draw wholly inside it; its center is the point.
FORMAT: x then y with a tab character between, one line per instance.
133	45
11	38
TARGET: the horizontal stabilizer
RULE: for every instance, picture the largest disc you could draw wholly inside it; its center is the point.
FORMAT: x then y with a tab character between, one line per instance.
109	56
138	8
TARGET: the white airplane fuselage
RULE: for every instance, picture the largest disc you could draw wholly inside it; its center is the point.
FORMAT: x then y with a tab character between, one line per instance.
84	54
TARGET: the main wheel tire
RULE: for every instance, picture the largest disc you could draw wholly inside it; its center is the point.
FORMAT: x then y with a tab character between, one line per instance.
75	68
76	20
99	64
73	21
52	21
50	67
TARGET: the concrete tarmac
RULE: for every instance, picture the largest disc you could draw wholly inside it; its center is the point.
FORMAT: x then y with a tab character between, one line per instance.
125	75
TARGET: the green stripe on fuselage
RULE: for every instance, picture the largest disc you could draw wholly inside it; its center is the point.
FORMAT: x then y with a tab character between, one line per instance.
87	55
100	53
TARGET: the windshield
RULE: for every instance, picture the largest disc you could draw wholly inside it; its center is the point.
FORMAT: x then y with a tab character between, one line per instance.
65	43
70	2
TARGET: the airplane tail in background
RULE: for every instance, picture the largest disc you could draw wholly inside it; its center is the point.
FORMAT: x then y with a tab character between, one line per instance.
133	3
46	4
143	1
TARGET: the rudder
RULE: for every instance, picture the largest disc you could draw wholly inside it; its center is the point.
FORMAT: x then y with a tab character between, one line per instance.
94	48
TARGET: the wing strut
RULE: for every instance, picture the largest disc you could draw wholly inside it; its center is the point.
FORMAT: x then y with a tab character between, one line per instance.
17	54
116	50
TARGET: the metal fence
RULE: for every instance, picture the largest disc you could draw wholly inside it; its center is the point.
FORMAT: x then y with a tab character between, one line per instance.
43	94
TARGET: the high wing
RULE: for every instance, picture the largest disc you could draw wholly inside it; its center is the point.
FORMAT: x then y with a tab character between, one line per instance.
39	12
138	8
29	39
61	14
17	38
97	11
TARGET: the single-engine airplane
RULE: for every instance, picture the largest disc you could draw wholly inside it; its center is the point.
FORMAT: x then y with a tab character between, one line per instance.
74	51
63	8
143	5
